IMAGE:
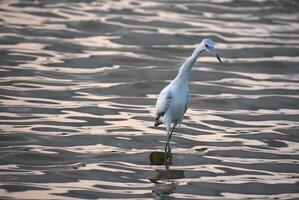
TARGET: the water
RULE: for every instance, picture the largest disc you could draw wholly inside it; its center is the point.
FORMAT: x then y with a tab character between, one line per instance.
79	82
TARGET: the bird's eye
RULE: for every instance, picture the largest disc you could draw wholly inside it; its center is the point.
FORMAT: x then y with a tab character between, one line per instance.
207	46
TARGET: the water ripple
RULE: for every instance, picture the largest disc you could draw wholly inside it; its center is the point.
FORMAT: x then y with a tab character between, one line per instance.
79	82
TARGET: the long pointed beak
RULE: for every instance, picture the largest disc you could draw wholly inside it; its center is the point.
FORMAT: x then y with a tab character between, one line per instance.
218	57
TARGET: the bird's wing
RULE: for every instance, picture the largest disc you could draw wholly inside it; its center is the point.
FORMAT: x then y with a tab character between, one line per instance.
163	102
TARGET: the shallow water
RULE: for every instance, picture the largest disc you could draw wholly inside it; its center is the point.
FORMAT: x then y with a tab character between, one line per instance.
79	82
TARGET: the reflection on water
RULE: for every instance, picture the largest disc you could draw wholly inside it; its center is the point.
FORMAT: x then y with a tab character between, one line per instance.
79	82
165	179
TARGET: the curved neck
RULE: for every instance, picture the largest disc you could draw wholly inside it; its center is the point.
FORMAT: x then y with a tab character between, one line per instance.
184	72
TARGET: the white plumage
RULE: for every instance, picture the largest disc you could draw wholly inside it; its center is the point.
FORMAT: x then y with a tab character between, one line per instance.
172	102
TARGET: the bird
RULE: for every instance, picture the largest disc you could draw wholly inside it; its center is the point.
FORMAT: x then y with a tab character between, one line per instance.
173	100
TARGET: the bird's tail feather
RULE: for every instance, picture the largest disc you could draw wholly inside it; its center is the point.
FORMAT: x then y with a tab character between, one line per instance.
157	123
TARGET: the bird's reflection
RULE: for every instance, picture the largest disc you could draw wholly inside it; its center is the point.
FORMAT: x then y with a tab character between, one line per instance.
164	179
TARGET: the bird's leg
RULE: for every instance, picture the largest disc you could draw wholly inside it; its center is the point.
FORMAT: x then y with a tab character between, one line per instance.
167	147
173	127
168	160
165	154
168	155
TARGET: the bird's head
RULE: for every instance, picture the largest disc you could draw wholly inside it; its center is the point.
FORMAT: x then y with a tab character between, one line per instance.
209	46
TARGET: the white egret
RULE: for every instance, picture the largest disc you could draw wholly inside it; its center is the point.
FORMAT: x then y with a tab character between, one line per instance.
172	102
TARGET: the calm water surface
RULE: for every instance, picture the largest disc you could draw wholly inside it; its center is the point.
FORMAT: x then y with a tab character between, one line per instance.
79	82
